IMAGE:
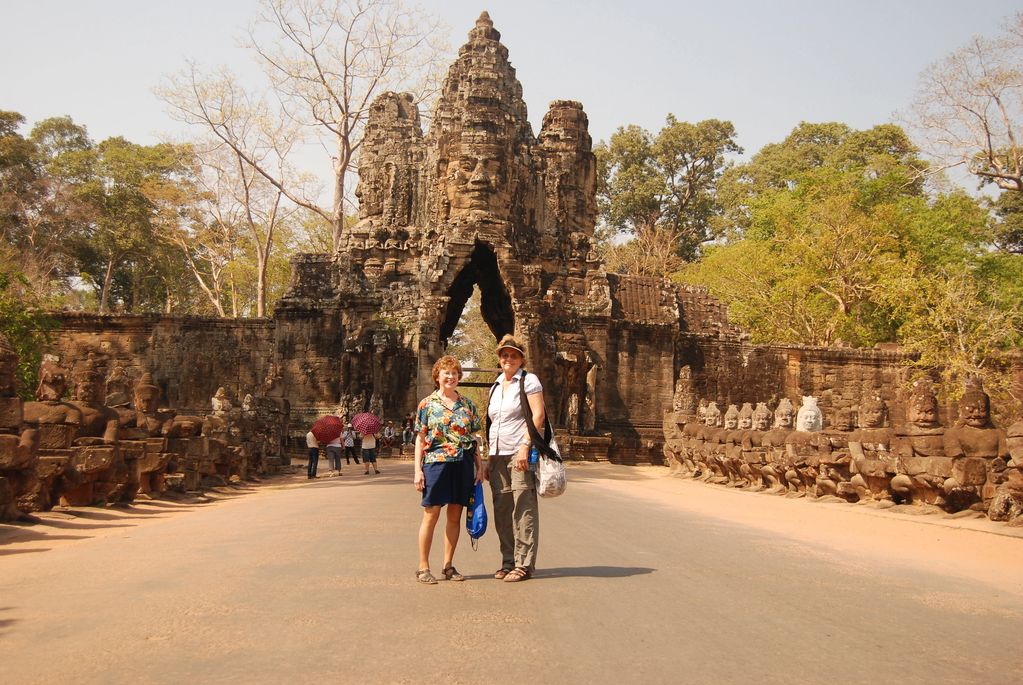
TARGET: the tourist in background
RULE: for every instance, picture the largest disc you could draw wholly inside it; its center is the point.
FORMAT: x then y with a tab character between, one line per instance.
447	464
334	455
408	436
314	454
348	440
512	481
369	452
389	435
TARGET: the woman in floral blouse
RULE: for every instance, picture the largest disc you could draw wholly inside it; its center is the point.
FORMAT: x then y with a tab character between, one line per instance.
447	463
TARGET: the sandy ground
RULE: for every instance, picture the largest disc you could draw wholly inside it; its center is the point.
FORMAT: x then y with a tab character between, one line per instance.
642	576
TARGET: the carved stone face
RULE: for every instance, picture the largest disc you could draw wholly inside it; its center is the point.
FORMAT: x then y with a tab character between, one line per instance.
844	421
872	416
731	422
475	179
809	421
52	383
783	419
745	422
89	390
923	412
761	422
976	410
146	399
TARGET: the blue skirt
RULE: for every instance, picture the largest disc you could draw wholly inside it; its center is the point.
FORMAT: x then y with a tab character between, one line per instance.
448	482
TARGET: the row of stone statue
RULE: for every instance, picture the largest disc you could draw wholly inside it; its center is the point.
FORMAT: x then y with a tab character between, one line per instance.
971	465
111	442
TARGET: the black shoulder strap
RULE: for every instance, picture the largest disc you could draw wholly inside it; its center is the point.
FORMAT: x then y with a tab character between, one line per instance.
542	443
493	388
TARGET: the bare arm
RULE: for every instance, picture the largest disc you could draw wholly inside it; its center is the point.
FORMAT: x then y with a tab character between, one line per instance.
419	481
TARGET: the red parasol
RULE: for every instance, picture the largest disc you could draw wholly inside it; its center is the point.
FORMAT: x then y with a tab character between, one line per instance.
366	423
327	428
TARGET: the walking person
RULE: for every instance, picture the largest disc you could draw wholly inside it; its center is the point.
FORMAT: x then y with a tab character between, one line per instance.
334	455
512	481
348	440
314	454
447	464
369	452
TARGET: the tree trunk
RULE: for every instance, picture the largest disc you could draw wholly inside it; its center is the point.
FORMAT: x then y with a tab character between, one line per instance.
104	296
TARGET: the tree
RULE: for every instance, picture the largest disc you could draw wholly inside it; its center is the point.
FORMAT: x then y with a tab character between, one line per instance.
883	151
325	61
969	108
23	323
661	188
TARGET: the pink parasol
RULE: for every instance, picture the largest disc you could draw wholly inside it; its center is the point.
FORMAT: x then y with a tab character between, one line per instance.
327	428
366	423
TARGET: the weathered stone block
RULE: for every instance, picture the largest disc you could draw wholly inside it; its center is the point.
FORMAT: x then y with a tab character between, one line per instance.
93	459
970	470
53	436
10	413
10	459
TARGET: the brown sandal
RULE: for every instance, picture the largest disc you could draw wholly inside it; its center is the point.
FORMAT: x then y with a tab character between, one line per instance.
517	574
451	573
425	577
501	573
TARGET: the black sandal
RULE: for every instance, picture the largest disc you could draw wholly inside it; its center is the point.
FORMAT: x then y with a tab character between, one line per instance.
517	574
451	573
425	577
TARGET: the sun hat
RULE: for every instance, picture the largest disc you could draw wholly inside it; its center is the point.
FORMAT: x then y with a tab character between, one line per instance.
509	342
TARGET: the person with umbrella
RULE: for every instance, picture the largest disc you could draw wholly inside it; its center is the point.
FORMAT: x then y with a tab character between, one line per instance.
447	463
368	426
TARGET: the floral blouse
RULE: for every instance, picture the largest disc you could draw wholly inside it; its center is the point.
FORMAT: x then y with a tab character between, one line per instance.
447	432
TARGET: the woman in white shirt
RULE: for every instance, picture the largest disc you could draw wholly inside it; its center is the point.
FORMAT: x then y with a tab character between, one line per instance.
513	484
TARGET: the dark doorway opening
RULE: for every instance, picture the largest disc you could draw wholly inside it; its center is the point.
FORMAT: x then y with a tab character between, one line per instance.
495	302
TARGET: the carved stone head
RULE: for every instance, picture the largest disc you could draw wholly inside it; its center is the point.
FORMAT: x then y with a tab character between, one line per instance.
922	410
844	420
873	412
761	417
220	401
746	416
712	416
1015	443
147	394
809	419
90	385
52	381
784	414
732	417
975	407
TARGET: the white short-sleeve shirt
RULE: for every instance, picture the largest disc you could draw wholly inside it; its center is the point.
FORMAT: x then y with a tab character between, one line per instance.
507	421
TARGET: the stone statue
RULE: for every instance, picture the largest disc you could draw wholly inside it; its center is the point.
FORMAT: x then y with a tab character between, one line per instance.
774	444
870	448
684	399
754	453
590	402
919	446
18	458
57	420
975	446
803	447
99	422
833	476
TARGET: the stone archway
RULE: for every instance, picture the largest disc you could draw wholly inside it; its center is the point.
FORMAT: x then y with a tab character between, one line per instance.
496	304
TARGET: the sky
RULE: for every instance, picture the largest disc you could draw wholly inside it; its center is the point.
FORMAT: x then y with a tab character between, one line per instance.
764	65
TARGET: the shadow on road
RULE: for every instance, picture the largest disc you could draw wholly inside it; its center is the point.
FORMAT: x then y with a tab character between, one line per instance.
6	622
11	552
594	572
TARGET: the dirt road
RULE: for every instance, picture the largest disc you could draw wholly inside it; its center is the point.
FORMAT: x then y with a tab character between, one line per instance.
642	578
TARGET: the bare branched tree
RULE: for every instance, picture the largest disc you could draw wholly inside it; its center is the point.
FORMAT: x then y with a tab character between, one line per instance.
325	61
969	108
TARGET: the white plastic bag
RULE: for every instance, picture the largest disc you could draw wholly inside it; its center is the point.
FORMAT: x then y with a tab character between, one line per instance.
550	474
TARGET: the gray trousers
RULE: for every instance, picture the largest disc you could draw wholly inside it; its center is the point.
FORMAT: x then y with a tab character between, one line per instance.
516	514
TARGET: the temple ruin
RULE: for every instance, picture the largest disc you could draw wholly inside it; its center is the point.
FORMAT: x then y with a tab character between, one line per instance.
480	201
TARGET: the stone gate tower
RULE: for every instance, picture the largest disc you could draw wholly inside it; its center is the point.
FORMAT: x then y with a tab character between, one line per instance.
479	201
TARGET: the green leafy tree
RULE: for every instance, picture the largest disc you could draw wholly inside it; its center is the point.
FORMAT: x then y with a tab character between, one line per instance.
25	326
661	189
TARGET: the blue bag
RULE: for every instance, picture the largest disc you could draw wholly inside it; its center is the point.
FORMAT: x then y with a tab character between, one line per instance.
476	515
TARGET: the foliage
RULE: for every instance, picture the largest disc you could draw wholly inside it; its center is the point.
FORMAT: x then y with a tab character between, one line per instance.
473	344
25	327
841	249
661	189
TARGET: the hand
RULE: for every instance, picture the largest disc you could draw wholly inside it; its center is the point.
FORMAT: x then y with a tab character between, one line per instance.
522	458
420	481
486	470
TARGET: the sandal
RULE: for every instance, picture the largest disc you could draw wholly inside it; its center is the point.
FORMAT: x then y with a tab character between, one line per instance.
425	577
451	573
501	573
517	574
